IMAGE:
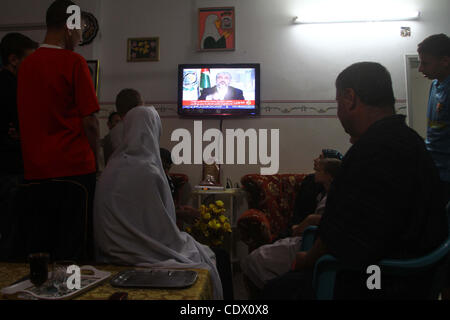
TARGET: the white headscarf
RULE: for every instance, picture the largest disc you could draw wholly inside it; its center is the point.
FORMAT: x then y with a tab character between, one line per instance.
134	213
210	29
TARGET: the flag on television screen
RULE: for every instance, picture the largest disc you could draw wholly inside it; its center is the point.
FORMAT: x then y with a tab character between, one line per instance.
205	80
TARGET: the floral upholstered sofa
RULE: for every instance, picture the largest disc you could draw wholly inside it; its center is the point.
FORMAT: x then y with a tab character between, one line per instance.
271	203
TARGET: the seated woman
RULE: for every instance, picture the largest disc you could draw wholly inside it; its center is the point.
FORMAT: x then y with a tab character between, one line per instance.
134	213
270	261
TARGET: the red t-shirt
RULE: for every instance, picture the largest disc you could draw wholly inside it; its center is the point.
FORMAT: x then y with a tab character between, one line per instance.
55	92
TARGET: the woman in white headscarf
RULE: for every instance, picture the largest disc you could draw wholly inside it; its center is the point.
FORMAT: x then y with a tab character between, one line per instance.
134	213
212	39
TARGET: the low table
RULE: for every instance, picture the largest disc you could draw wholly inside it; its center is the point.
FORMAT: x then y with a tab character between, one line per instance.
201	290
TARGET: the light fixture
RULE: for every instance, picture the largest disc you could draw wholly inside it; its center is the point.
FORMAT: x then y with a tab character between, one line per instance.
365	15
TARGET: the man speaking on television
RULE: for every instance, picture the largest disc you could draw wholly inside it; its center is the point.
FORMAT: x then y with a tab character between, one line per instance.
222	90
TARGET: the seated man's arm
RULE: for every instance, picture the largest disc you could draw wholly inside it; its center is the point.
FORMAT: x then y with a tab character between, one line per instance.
311	220
307	260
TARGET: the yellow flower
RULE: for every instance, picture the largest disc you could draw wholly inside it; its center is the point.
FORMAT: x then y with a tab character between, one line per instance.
212	224
207	216
219	203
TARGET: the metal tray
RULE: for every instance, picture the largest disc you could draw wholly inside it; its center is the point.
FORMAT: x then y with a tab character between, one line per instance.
154	278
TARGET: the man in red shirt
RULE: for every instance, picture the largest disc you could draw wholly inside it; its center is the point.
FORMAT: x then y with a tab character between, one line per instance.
57	104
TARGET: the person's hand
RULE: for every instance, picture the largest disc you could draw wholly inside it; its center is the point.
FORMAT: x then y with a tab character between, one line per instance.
300	261
297	230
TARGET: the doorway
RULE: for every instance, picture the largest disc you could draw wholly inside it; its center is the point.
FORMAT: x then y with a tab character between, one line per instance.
418	89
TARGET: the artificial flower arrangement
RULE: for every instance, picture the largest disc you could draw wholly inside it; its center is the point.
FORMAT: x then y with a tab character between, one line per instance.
212	226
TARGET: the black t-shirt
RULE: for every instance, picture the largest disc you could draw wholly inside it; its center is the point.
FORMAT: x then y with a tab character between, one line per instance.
10	150
386	201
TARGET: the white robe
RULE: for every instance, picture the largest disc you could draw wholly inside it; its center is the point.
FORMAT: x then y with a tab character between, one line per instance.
273	260
134	213
210	29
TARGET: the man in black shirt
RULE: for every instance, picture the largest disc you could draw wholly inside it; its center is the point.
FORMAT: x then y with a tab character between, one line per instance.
386	202
15	47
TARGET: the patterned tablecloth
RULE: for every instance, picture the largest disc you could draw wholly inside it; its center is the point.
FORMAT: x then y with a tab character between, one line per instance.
201	290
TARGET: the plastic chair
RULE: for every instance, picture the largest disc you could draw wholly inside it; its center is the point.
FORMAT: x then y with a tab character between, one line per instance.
309	237
327	267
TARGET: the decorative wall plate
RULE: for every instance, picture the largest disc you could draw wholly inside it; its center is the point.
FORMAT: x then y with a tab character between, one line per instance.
90	28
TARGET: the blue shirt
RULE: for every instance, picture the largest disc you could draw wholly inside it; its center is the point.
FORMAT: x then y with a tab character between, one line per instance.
438	133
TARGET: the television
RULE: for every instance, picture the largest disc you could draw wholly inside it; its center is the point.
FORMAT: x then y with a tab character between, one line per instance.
218	90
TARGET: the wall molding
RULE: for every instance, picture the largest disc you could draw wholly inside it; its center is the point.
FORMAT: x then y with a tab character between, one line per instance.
269	109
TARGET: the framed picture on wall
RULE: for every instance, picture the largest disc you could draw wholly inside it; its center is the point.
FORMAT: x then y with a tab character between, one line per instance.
216	29
94	69
143	49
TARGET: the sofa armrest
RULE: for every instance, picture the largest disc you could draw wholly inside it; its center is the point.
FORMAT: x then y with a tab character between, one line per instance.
254	229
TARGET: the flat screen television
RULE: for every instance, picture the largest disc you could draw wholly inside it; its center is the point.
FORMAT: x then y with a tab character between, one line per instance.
219	90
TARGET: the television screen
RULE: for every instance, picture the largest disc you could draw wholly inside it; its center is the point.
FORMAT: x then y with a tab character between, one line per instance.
218	89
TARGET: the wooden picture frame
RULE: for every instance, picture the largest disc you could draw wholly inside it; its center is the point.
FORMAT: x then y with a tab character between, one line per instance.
143	49
94	69
216	29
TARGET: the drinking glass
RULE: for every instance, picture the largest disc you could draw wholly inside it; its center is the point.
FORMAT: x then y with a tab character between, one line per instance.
38	269
60	276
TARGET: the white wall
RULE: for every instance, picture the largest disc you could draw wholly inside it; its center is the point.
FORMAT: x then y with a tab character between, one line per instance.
299	62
